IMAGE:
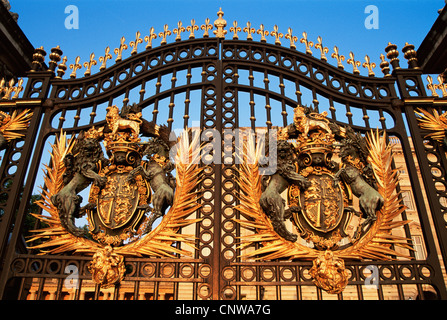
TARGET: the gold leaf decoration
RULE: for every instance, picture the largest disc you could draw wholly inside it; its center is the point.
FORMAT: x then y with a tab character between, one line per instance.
13	126
435	123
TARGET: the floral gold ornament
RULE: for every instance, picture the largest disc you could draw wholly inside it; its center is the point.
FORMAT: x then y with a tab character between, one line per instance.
134	44
119	51
152	35
206	28
355	64
89	64
319	200
180	28
338	57
165	33
235	29
103	59
323	49
442	86
307	43
193	27
291	37
275	33
127	194
74	67
249	30
263	33
8	90
369	65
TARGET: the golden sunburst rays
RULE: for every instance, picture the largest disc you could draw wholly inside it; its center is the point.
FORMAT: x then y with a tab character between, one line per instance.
435	123
158	242
378	243
16	125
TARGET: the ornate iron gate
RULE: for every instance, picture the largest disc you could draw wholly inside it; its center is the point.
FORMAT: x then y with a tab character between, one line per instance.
226	85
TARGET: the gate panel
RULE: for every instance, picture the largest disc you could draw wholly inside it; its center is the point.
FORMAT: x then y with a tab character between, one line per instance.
221	89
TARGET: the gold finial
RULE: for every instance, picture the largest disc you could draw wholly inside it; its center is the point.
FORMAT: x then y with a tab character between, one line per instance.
75	66
135	43
249	30
322	48
89	64
263	33
164	34
55	57
38	58
432	87
308	43
411	55
206	27
104	59
392	53
17	89
150	37
220	24
442	86
119	51
354	63
275	33
235	29
292	38
62	67
193	27
178	31
385	66
369	65
338	57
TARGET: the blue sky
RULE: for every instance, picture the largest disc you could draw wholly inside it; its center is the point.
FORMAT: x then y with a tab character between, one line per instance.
103	22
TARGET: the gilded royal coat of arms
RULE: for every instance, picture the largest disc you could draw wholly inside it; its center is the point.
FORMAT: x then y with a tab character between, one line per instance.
335	186
131	186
